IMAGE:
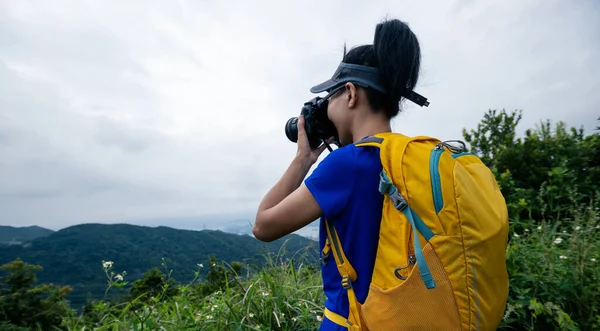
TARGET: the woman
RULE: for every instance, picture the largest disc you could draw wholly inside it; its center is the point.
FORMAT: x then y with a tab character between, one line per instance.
344	186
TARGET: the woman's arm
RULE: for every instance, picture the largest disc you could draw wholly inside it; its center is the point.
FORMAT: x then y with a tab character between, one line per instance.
289	205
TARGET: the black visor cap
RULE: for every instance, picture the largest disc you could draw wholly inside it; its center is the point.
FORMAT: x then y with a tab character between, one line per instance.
365	76
361	75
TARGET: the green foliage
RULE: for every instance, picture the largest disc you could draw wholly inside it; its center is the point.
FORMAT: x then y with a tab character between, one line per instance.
7	326
555	274
219	276
554	165
154	285
24	305
494	135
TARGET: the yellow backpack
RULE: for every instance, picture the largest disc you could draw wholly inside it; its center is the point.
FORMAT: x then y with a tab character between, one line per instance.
454	277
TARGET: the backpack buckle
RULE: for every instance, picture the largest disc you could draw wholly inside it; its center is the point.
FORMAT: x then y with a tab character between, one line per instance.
346	282
398	199
324	258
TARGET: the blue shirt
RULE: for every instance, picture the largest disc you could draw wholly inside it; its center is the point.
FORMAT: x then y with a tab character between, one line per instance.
346	186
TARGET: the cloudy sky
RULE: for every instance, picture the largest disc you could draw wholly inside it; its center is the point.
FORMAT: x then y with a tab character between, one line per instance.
172	112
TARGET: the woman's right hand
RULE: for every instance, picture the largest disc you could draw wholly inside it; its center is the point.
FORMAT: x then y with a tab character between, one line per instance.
305	152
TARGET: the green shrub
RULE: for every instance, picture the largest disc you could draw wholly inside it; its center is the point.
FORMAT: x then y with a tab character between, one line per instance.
555	274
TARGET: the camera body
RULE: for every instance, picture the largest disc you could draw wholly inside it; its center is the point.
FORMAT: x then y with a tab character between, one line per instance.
318	126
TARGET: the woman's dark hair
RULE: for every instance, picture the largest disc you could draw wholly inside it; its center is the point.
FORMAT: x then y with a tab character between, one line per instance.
396	52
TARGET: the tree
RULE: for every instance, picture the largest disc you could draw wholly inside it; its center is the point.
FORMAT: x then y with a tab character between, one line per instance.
495	134
25	304
153	285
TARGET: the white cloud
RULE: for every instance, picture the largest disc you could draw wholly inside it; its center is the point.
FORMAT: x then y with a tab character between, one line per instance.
115	111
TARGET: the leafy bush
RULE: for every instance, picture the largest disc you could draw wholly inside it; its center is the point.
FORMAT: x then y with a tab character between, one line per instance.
25	305
555	274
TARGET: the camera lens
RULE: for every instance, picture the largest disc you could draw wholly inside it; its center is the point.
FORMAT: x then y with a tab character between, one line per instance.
291	129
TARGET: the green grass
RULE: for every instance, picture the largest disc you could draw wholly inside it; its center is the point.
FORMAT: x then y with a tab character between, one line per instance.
281	296
555	274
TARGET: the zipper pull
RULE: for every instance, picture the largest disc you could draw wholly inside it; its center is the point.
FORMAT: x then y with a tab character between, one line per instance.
411	261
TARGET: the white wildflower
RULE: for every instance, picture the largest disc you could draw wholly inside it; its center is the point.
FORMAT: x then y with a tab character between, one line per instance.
593	259
251	314
577	228
516	235
539	227
319	318
564	257
564	231
209	317
107	264
119	277
264	294
294	319
558	240
526	230
200	265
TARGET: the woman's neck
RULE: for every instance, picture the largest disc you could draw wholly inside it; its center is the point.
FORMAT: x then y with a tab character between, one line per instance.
369	126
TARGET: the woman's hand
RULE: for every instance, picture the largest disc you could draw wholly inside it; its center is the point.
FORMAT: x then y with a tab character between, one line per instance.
305	152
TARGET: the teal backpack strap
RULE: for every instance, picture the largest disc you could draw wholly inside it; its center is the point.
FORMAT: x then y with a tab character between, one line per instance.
387	187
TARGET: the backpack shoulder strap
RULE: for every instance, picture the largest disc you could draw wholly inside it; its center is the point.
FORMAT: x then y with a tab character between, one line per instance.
392	147
348	274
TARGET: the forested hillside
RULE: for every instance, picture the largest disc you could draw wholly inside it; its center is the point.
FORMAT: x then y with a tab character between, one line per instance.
73	256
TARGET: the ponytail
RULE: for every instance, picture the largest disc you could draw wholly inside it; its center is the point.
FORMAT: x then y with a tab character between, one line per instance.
396	52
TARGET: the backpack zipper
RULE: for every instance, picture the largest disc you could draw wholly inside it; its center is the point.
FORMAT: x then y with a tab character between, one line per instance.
436	185
411	259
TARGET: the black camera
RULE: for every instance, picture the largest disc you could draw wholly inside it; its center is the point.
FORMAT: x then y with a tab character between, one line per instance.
316	123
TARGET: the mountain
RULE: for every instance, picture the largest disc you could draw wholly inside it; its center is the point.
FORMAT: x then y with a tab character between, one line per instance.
73	256
10	235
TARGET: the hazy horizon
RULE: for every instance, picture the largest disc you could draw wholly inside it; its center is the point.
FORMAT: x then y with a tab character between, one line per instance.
239	227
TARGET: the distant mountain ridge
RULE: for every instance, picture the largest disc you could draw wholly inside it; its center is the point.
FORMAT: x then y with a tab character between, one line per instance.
73	256
10	235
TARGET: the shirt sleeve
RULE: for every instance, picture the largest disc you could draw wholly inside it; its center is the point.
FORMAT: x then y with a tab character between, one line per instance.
332	182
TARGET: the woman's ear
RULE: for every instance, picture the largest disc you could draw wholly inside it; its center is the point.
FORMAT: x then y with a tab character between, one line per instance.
352	95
